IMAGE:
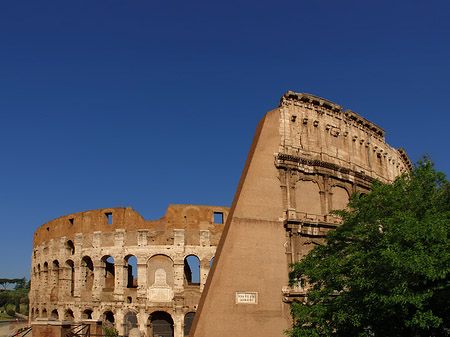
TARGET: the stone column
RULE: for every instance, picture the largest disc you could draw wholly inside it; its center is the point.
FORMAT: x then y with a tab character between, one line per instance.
142	279
178	322
204	270
119	271
99	278
178	273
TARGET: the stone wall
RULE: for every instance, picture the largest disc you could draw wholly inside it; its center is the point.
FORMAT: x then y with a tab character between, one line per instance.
81	270
306	159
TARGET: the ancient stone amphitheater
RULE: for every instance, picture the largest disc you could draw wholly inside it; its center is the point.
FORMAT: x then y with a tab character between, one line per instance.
307	157
81	267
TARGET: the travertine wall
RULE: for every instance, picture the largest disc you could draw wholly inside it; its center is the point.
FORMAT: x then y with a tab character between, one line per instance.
307	157
72	277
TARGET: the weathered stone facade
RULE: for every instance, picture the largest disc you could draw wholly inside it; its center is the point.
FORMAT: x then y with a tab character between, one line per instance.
307	157
80	267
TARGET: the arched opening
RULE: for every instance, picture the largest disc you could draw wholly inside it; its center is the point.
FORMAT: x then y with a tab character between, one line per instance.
188	320
340	198
68	315
160	278
87	314
87	273
32	313
131	271
192	270
129	322
55	314
70	247
108	317
160	324
44	313
37	313
70	276
39	272
108	262
307	197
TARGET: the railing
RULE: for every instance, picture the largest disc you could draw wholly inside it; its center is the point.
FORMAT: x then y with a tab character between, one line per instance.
80	330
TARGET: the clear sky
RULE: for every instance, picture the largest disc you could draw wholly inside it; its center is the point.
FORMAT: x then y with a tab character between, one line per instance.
147	103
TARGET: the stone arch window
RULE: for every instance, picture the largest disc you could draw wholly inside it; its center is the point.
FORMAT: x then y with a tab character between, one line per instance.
192	270
109	275
307	198
188	320
37	313
160	324
39	271
87	314
154	266
340	197
68	315
87	273
108	318
131	271
55	314
32	313
70	276
70	248
129	322
44	312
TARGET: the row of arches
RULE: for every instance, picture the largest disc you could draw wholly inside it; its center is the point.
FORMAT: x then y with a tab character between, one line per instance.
311	198
159	323
103	273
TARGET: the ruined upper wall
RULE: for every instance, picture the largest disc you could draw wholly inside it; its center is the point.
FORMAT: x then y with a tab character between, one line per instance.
191	218
317	129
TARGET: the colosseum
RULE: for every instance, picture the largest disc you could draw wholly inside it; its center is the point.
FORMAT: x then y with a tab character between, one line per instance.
82	270
307	157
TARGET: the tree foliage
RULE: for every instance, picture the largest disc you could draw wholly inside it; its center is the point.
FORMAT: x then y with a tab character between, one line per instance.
16	296
386	270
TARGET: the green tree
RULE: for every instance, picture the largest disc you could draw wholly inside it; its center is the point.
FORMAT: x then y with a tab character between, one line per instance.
386	270
4	299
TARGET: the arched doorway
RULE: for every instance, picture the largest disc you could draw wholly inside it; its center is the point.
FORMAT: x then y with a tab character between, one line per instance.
160	324
129	322
188	320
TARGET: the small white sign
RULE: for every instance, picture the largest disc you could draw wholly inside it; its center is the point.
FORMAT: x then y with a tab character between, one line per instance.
246	297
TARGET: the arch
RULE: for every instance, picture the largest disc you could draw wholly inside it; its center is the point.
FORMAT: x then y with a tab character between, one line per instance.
45	266
32	313
54	314
160	324
108	316
44	312
70	248
37	313
188	320
192	270
131	271
109	275
157	262
129	322
70	276
340	197
68	315
307	197
87	273
87	314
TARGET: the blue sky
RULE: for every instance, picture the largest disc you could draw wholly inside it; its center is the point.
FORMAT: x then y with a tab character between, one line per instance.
147	103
